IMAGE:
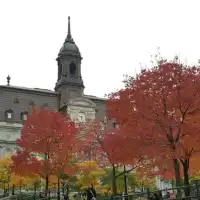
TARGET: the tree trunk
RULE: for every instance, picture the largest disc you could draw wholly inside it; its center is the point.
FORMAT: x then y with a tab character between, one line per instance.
58	193
67	191
13	189
4	189
177	175
8	189
20	186
35	190
63	188
125	181
186	177
46	186
114	187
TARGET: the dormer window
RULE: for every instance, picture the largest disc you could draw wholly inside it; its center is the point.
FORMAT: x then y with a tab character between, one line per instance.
24	116
9	115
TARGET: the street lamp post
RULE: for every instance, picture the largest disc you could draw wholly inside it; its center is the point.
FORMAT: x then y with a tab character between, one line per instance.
114	186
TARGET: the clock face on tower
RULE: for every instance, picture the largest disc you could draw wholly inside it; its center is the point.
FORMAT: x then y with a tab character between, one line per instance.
81	117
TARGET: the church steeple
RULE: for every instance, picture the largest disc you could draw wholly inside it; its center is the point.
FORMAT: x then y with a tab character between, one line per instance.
69	36
69	44
70	83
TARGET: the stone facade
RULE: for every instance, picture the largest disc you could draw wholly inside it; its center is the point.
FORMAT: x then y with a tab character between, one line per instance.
16	102
9	134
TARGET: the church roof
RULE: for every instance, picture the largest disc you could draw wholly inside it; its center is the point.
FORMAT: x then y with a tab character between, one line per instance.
47	91
92	97
11	87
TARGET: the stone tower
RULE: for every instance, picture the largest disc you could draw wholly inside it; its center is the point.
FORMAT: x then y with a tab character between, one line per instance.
69	84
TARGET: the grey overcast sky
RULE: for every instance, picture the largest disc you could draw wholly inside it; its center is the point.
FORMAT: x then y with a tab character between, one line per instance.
114	36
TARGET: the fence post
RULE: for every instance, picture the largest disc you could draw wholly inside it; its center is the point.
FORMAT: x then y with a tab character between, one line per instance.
148	193
49	194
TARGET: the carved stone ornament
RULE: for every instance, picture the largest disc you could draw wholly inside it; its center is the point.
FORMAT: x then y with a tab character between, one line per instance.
81	117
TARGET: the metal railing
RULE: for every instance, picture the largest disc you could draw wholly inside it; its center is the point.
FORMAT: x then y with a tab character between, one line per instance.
191	192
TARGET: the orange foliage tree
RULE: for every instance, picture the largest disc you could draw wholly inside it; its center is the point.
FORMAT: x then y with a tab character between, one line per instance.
8	178
157	107
46	145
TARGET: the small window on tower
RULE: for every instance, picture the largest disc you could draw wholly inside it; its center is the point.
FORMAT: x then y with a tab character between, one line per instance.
72	69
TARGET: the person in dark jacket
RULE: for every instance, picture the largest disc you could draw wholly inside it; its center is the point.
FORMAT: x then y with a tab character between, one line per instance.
91	193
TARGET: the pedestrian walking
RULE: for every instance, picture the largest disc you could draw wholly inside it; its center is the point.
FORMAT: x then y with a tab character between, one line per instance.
91	193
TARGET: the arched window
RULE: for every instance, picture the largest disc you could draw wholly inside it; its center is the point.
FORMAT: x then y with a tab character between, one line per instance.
24	116
72	69
9	115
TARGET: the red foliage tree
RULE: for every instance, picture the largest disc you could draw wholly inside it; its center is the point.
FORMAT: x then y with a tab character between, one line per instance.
157	108
109	148
47	142
97	148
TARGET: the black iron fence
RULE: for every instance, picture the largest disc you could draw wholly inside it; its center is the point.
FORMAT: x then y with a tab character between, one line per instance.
191	192
32	192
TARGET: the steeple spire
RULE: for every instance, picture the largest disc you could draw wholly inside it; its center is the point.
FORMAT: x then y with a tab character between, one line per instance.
69	36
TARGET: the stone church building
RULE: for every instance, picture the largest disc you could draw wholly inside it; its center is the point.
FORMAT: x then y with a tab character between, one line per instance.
16	102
